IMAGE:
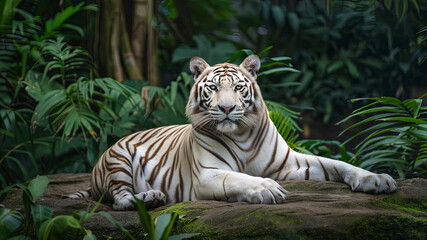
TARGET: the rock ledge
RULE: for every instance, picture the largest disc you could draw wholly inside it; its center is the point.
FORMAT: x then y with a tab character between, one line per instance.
314	210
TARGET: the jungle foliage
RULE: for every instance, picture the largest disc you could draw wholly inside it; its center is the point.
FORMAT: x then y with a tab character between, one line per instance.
38	220
396	137
64	100
51	95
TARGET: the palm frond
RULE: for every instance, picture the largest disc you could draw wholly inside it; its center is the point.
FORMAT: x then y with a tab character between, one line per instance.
285	111
396	137
284	126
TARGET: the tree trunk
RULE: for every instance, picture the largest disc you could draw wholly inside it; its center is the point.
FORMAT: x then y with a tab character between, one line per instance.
152	70
115	40
102	41
139	32
185	22
132	69
121	54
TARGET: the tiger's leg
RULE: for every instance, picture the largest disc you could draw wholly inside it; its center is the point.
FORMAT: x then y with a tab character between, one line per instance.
234	186
307	167
120	187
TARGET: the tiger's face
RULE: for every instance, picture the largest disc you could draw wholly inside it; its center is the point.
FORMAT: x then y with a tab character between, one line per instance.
225	96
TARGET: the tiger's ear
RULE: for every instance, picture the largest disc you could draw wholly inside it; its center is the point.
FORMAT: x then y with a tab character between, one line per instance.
251	64
197	66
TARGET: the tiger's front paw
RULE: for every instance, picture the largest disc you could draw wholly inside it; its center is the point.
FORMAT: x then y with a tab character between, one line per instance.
152	198
266	191
373	183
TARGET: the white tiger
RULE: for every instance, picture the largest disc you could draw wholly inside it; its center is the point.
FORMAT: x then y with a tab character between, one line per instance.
231	151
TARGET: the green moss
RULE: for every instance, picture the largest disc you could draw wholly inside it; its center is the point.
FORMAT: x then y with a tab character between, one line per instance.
281	217
261	224
254	224
196	226
178	208
388	227
183	209
413	206
244	217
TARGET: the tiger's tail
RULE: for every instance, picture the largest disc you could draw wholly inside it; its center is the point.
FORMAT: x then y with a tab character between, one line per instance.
80	194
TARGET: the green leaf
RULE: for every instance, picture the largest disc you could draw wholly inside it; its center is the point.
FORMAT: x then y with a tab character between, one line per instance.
164	225
89	236
278	70
50	100
37	187
10	221
7	7
371	62
55	228
278	15
367	120
328	112
64	15
38	85
145	218
306	79
264	50
75	28
352	69
173	90
405	119
335	66
281	59
91	7
293	20
40	214
414	105
183	236
238	54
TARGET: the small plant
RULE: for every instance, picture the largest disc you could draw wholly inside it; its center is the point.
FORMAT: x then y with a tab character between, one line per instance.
12	221
38	219
396	140
163	228
55	228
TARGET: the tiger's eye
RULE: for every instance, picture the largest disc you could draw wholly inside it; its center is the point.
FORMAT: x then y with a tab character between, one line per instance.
213	87
238	87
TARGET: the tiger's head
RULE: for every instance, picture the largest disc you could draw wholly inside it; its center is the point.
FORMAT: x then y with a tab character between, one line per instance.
225	96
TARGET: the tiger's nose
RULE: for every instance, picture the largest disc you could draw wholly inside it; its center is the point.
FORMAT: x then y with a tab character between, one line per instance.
227	110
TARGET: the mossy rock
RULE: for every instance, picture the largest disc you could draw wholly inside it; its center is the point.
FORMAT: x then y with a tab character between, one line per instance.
313	210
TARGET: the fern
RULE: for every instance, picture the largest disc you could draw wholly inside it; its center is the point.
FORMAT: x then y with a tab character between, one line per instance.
396	140
49	95
285	128
286	112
